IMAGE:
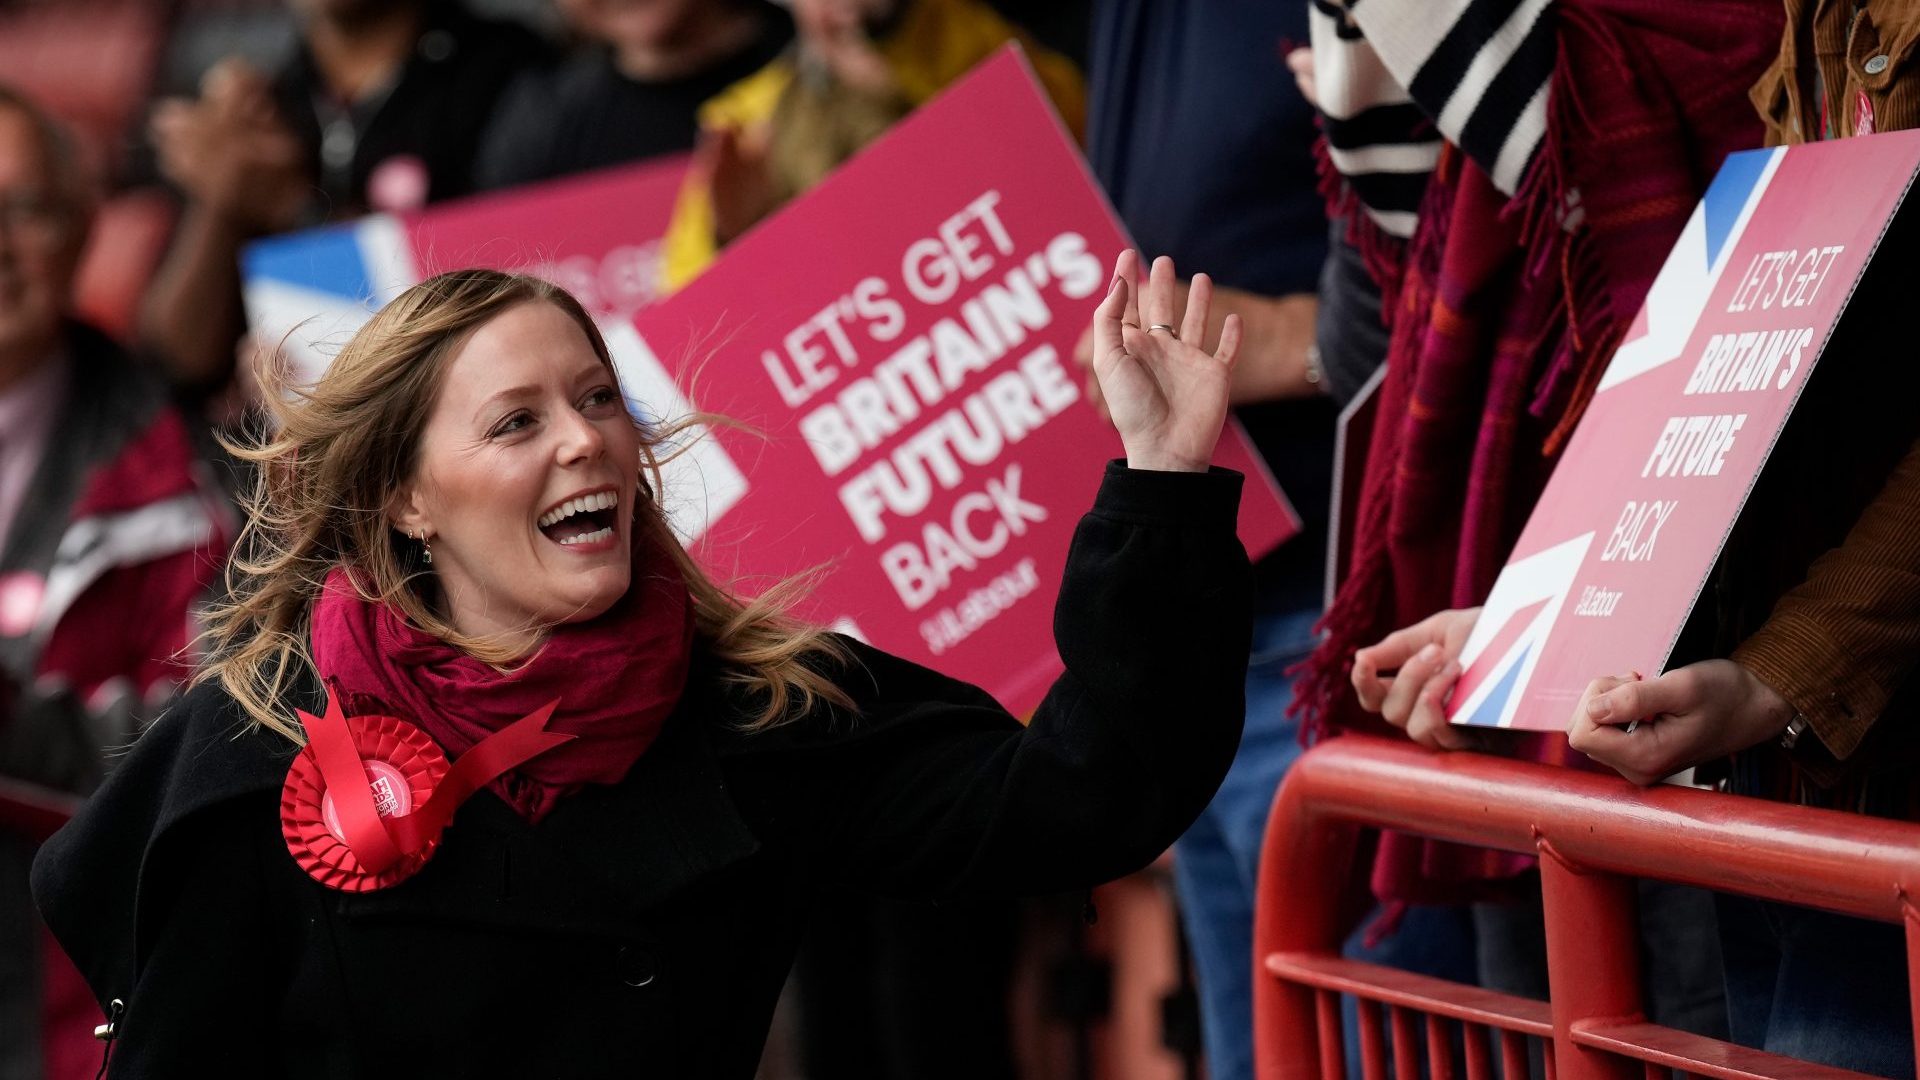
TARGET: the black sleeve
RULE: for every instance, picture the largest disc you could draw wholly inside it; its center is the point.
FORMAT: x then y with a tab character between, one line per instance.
947	794
218	941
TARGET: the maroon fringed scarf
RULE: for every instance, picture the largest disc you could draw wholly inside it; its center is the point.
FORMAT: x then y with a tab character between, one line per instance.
618	677
1502	320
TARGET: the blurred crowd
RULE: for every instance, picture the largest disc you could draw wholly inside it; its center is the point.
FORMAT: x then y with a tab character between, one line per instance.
1457	205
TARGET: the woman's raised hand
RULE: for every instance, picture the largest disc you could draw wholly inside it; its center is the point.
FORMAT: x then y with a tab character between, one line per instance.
1167	396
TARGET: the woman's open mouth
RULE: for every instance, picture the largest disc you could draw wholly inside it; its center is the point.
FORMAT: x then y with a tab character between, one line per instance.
589	520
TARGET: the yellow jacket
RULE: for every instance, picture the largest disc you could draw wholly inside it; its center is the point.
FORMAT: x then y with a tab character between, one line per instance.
936	43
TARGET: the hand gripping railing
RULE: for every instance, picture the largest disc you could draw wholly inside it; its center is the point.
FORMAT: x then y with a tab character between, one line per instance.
1594	835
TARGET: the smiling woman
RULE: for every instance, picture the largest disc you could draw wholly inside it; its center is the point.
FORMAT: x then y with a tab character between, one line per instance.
523	422
457	592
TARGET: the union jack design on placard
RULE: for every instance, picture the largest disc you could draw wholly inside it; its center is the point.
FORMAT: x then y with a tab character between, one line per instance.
1506	643
1659	333
1621	543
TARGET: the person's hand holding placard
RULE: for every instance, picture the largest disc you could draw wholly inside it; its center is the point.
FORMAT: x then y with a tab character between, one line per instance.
1167	396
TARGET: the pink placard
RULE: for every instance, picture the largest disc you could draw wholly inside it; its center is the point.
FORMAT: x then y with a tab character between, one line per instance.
1620	545
597	235
902	339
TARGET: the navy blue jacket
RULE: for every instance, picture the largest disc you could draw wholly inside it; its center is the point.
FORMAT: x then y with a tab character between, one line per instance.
1202	140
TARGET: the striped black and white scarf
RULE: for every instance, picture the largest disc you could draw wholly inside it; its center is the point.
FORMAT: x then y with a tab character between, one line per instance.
1397	77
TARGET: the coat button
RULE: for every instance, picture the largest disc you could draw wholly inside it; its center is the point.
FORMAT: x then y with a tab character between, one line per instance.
1877	65
636	966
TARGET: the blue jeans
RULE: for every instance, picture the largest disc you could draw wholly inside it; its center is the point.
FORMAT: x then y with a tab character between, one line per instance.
1818	987
1216	864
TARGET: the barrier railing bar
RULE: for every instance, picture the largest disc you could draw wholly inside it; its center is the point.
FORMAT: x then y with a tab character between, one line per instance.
1670	1049
1373	1050
1513	1055
1593	958
1911	918
1479	1052
1840	862
1405	989
33	811
1594	833
1406	1045
1439	1049
1333	1043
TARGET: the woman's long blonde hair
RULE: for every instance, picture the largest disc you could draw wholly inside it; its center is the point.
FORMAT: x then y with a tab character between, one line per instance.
334	454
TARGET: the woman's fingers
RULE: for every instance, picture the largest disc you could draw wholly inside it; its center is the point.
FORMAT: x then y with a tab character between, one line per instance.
1634	699
1427	725
1413	675
1392	650
1595	704
1108	339
1229	350
1193	328
1108	317
1638	756
1127	269
1590	736
1160	298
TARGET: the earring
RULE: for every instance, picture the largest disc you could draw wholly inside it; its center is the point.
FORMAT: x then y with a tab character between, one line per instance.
426	545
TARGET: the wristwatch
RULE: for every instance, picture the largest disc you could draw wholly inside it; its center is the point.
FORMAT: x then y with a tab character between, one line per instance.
1796	727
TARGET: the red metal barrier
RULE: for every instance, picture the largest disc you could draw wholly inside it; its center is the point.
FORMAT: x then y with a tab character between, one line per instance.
1594	834
32	811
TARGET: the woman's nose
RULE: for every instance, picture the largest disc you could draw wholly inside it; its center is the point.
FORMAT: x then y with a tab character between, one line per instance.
580	440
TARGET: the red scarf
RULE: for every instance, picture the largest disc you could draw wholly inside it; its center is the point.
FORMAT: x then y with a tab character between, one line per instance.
618	678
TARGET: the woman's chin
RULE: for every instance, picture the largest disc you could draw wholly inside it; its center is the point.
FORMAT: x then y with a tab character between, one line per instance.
597	597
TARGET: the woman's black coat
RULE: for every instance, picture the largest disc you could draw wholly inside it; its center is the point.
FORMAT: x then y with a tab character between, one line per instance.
645	929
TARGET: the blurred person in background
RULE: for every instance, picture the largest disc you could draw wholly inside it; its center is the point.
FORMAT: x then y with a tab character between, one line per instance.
1809	696
857	67
1205	144
381	106
109	532
633	91
1565	146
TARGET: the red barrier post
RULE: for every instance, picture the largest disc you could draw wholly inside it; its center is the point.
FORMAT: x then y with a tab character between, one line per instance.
33	811
1327	853
1593	961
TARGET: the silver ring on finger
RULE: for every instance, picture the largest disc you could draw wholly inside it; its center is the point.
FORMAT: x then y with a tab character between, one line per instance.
1171	332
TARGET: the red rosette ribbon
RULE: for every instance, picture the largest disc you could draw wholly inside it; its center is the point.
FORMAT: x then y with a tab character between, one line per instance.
365	802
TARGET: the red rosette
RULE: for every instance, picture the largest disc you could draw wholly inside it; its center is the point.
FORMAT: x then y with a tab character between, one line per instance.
403	766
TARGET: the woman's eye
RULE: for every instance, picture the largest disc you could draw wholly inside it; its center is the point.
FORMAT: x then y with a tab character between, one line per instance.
510	425
601	396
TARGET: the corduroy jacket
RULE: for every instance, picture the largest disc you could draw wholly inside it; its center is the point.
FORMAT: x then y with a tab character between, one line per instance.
1841	644
1846	67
